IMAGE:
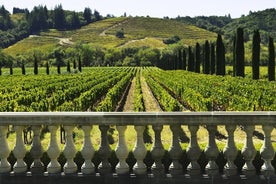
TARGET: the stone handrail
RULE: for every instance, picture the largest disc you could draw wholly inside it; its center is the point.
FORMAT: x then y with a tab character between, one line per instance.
19	120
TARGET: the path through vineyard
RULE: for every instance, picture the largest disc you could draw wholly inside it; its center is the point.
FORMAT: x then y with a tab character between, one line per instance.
151	105
129	103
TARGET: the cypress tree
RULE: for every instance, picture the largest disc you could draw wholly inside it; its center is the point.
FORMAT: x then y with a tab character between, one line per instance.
213	60
220	56
35	65
191	60
47	68
184	59
68	67
239	53
74	64
23	69
271	60
234	56
11	70
197	58
58	67
206	57
256	55
79	65
180	62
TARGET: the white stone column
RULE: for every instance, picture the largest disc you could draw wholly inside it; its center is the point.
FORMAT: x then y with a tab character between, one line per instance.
211	151
69	151
5	166
122	152
157	151
175	151
193	151
19	151
249	151
53	152
87	152
267	152
36	151
230	152
140	152
104	151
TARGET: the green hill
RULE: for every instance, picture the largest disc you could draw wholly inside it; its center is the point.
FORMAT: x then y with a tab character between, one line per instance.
138	32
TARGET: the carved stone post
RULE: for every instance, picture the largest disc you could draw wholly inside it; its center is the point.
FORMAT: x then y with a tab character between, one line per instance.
5	166
87	152
140	151
249	151
157	151
104	151
230	151
193	151
122	152
211	151
36	151
175	151
69	151
53	152
267	152
19	151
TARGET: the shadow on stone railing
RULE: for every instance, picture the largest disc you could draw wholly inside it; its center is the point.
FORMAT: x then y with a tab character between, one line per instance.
158	165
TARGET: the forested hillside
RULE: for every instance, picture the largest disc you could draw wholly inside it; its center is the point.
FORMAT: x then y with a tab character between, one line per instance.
264	20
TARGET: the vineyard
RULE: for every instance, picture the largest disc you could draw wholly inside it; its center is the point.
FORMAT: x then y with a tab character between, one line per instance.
105	89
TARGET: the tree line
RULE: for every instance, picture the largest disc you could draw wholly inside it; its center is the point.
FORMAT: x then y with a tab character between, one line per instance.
211	57
40	18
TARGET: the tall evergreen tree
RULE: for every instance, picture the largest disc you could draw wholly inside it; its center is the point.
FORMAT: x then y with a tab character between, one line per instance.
68	67
180	59
197	58
234	56
271	60
35	65
87	13
23	69
256	55
213	59
47	68
79	65
59	17
206	57
220	56
239	53
191	60
184	59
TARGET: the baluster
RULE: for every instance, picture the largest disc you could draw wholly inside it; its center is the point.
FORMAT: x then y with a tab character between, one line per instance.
104	151
175	151
139	151
53	152
193	151
211	151
5	166
19	151
230	151
249	151
36	151
122	152
267	152
87	152
157	151
69	151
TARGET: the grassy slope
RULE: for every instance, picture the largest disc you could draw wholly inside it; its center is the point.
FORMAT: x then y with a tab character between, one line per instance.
138	32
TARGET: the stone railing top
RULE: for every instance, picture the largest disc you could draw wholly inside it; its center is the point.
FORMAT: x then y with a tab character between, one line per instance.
138	118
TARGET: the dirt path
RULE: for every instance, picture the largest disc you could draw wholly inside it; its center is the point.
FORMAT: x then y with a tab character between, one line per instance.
103	33
150	102
129	104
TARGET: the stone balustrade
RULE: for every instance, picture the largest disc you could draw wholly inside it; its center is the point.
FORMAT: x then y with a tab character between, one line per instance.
87	120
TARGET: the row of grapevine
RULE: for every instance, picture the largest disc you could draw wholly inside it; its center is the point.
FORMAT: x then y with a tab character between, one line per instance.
206	92
114	95
138	95
58	92
166	101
